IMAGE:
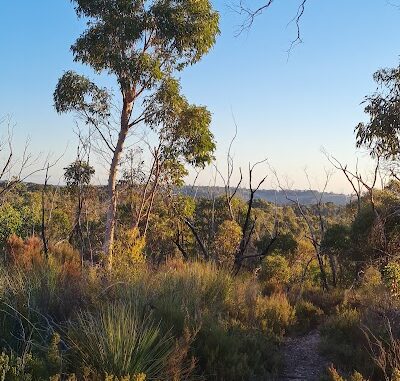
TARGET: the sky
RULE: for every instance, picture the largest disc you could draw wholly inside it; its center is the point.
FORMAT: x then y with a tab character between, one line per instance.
286	107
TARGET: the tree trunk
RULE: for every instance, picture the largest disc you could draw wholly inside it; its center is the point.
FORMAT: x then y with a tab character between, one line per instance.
324	279
332	263
112	181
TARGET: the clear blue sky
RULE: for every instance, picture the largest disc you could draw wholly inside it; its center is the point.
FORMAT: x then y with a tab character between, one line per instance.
286	110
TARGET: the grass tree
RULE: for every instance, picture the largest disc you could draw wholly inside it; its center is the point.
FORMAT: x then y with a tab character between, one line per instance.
143	44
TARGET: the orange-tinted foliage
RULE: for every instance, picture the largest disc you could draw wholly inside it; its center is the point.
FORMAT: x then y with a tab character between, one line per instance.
24	253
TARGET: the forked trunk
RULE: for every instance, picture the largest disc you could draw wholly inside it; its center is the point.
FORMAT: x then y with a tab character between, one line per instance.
112	183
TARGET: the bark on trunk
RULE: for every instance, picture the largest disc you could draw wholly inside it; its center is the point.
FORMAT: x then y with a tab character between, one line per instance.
332	263
324	279
112	182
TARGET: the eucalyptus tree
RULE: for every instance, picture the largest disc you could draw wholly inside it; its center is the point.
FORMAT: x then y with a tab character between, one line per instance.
381	134
77	177
143	44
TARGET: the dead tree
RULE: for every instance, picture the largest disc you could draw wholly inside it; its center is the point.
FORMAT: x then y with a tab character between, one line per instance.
361	185
315	233
43	230
16	170
249	225
353	178
250	14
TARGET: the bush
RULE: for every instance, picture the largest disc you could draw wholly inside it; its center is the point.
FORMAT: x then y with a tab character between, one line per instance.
221	309
235	354
128	258
11	222
42	365
226	242
119	341
333	375
344	341
371	279
275	272
308	316
327	301
224	328
391	277
24	253
275	314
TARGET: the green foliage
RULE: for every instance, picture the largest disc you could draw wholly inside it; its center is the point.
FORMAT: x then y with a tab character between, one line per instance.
117	339
381	133
11	222
75	92
308	316
184	32
275	314
78	174
285	244
275	272
336	239
226	242
343	340
183	128
391	277
128	259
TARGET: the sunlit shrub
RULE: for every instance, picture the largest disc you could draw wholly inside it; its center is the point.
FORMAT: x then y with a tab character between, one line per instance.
14	368
221	309
39	365
391	277
275	314
68	258
226	242
371	278
118	340
333	375
11	222
128	258
24	253
275	272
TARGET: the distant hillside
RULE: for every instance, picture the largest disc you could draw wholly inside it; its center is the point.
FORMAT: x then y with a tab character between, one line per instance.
305	197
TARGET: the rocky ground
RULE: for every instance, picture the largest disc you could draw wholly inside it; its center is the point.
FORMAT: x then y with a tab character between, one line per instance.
302	360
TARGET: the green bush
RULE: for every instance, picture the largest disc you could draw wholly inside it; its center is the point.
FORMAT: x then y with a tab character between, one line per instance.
227	353
327	301
228	313
391	277
308	316
274	314
118	340
344	341
275	272
11	222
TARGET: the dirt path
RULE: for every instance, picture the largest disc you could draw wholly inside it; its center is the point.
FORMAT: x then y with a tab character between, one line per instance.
302	360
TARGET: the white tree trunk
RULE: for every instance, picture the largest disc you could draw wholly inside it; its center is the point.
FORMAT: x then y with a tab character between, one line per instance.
112	182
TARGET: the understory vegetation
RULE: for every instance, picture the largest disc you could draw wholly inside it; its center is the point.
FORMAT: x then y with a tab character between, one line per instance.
160	315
